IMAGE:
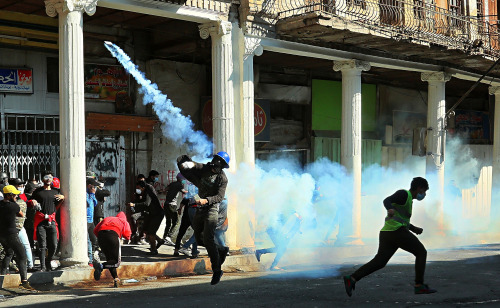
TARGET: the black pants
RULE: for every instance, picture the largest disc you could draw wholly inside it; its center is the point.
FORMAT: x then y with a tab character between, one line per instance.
389	242
110	246
92	237
172	218
204	224
185	223
11	245
46	233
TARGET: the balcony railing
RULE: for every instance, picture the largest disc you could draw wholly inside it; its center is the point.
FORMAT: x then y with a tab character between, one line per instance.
221	6
412	20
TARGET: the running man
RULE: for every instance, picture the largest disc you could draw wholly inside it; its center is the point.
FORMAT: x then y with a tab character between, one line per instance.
396	234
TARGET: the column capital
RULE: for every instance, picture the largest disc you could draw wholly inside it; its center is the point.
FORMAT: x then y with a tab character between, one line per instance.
54	7
436	76
494	90
253	47
218	28
346	65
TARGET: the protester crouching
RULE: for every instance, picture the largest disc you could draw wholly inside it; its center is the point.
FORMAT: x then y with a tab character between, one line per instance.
108	232
9	235
46	201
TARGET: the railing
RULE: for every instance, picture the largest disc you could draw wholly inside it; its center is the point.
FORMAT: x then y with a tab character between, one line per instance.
211	5
398	19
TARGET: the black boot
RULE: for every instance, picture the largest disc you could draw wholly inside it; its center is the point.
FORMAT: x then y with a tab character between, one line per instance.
223	254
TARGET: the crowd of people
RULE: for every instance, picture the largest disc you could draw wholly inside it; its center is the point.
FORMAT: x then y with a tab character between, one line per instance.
29	219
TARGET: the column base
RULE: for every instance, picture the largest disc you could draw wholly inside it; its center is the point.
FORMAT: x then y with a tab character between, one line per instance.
70	262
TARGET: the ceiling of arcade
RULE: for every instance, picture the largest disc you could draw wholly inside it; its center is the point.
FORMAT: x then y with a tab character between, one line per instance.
159	37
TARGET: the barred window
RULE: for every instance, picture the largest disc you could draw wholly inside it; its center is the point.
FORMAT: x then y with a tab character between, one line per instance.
358	3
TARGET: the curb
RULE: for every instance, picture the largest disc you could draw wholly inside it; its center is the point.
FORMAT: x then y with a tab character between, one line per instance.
198	266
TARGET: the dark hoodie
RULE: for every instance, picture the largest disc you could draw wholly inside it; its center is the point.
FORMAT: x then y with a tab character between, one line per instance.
118	224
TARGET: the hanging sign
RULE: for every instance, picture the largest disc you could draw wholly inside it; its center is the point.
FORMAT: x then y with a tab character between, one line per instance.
105	82
14	80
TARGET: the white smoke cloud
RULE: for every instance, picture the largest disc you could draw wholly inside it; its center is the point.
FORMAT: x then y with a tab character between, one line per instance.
320	192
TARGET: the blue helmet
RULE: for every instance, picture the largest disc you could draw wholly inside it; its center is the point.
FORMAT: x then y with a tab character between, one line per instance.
225	158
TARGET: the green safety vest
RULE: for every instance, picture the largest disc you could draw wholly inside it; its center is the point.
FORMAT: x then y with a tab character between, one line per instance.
401	216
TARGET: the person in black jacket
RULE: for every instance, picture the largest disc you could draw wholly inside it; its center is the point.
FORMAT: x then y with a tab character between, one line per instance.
170	207
100	195
154	217
9	235
211	182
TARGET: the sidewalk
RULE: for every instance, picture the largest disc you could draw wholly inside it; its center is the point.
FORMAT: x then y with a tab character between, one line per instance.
136	264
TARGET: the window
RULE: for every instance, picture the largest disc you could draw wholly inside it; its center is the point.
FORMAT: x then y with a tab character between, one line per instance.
456	12
52	75
480	9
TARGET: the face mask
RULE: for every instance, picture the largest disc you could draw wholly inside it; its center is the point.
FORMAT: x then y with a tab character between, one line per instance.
184	182
157	179
138	191
420	196
21	189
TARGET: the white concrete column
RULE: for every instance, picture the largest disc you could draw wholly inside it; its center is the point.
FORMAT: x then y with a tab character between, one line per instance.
496	138
72	125
222	86
252	48
436	111
350	156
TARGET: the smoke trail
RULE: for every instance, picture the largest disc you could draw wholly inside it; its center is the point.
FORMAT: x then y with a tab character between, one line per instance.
175	126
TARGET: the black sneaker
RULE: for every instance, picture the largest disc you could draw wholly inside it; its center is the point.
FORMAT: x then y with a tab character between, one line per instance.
349	285
160	242
152	253
97	269
216	277
116	283
424	289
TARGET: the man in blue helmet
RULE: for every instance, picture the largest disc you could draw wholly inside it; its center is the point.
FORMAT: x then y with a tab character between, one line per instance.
211	182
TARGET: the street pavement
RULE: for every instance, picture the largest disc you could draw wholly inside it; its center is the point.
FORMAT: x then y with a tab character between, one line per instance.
464	277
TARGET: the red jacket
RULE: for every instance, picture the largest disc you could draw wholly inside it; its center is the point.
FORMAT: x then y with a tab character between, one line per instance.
119	224
39	217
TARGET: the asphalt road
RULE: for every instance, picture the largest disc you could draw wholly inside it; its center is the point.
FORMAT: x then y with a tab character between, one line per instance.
464	278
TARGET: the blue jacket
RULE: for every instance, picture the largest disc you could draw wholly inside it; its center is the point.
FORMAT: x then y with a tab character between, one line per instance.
91	203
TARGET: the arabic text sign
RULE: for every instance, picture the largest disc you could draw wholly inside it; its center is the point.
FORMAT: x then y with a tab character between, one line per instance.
16	80
105	82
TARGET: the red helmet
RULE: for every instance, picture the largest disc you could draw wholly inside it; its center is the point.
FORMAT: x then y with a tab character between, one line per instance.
56	183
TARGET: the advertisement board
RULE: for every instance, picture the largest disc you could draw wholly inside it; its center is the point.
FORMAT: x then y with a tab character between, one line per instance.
105	82
16	80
